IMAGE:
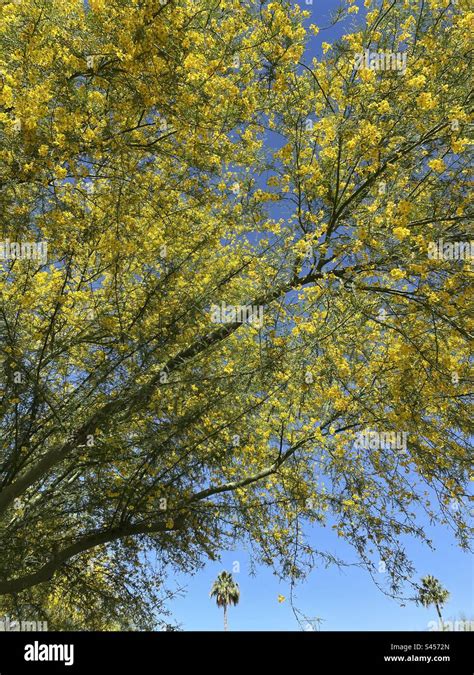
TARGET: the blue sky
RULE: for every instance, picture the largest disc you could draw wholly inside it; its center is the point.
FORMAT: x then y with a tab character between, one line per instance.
343	598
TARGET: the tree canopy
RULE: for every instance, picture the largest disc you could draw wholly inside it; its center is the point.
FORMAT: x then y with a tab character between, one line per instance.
179	156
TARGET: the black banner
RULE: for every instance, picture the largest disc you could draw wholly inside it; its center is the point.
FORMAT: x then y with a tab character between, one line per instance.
391	652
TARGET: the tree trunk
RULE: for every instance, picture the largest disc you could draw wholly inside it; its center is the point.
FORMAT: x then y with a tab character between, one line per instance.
439	614
225	618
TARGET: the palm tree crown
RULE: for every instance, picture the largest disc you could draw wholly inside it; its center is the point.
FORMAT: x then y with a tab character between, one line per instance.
431	592
226	592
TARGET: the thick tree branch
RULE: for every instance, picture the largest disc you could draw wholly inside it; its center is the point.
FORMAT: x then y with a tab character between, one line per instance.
107	536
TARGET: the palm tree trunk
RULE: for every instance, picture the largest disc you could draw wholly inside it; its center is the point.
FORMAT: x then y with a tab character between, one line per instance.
225	617
439	614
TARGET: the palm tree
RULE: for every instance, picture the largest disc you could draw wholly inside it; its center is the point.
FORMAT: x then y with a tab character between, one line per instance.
226	592
432	593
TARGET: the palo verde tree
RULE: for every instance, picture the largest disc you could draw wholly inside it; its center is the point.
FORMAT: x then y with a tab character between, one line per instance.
233	280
